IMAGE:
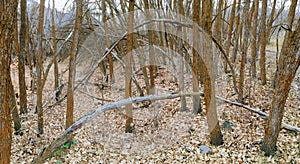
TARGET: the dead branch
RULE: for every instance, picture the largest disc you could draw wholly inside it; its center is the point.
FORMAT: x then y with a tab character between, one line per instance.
50	150
261	113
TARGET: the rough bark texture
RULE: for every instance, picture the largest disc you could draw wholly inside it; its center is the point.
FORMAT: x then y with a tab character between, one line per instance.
253	46
263	43
8	12
128	70
209	82
56	82
180	10
230	29
238	31
288	64
195	65
39	68
151	38
271	20
110	57
246	23
72	68
21	59
14	108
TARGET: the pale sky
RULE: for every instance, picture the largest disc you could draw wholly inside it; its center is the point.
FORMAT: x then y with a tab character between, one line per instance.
59	4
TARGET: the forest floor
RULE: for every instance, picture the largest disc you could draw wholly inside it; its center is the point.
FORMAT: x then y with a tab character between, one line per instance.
162	134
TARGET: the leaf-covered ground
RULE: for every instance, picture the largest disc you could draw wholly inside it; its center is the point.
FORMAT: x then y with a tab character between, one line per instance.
162	134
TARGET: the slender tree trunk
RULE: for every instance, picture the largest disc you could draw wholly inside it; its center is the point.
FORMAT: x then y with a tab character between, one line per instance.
254	39
218	22
8	13
271	20
152	67
14	108
72	65
209	82
246	22
110	57
180	10
263	43
128	71
21	59
229	34
39	68
196	56
56	81
238	31
288	64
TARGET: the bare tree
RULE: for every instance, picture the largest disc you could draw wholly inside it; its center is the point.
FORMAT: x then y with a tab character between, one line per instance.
56	81
128	69
110	57
271	20
230	30
8	13
180	10
209	81
289	62
72	65
238	32
253	46
196	58
263	43
39	68
246	22
21	58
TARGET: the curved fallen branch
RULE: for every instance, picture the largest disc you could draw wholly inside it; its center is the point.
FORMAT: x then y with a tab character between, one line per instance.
50	150
261	113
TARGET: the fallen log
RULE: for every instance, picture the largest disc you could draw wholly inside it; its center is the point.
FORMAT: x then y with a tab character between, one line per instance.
50	150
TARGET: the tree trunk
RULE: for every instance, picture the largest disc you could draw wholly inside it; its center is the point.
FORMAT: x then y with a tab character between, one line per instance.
21	59
110	57
195	66
39	68
271	20
180	11
72	65
56	82
8	12
209	82
128	70
231	23
246	23
263	43
288	64
152	67
238	31
14	108
254	39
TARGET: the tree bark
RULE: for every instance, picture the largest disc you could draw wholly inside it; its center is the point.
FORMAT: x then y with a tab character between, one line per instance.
271	20
196	58
72	65
263	43
238	31
209	82
110	57
14	108
246	26
254	39
21	59
128	69
180	36
288	64
56	81
8	13
39	68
